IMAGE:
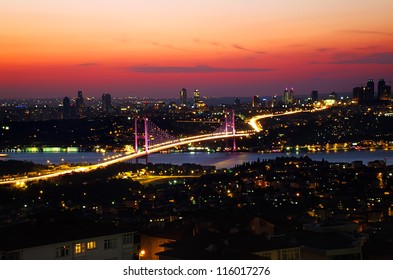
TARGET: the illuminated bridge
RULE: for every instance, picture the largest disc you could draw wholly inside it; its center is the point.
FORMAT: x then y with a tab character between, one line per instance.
154	140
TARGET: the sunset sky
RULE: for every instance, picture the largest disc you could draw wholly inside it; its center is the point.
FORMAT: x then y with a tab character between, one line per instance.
154	48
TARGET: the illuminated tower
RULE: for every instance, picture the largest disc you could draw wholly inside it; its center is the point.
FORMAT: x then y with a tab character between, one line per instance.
196	97
285	96
183	96
291	96
274	101
256	102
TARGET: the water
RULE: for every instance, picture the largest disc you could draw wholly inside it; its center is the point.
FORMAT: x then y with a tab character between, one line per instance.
220	160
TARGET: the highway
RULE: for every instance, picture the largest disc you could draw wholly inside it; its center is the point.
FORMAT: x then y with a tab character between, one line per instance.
258	128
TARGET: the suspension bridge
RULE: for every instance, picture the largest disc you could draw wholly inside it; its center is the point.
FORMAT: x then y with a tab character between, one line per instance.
149	138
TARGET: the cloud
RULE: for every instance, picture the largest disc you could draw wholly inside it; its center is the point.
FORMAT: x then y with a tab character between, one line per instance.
239	47
211	43
383	58
371	47
374	58
87	64
325	49
168	46
194	69
366	32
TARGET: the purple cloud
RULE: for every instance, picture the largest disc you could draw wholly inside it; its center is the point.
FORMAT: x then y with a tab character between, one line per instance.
194	69
374	58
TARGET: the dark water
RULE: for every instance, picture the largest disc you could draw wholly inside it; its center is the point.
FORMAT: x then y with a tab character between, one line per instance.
220	160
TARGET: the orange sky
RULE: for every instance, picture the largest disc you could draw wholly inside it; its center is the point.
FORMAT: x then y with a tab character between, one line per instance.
223	47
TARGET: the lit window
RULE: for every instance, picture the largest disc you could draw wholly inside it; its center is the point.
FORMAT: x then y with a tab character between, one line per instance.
79	248
109	244
62	251
91	245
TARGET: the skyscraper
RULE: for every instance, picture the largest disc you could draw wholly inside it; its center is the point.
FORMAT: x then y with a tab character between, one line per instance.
183	96
285	96
106	103
370	90
80	104
291	96
256	101
381	84
274	101
384	91
288	96
66	108
196	97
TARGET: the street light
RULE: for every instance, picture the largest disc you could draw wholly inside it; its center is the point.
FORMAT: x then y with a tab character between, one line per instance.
142	253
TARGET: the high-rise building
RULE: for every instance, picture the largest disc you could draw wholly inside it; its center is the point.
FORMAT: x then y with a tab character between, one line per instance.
285	96
370	90
357	93
314	95
274	101
291	96
196	97
384	91
66	108
381	85
288	96
183	96
80	104
256	102
106	103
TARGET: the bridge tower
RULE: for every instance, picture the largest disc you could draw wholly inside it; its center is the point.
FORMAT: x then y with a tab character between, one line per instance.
145	136
230	129
233	131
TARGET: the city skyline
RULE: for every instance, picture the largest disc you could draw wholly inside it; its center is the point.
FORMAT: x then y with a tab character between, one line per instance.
225	48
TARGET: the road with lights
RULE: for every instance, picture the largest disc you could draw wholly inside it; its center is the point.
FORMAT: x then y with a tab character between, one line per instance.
21	181
253	122
258	128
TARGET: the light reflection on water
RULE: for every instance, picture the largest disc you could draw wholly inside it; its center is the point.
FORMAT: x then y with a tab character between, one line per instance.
220	160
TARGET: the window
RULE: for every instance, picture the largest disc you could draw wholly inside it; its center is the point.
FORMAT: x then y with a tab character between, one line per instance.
91	245
109	244
128	238
62	251
79	248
